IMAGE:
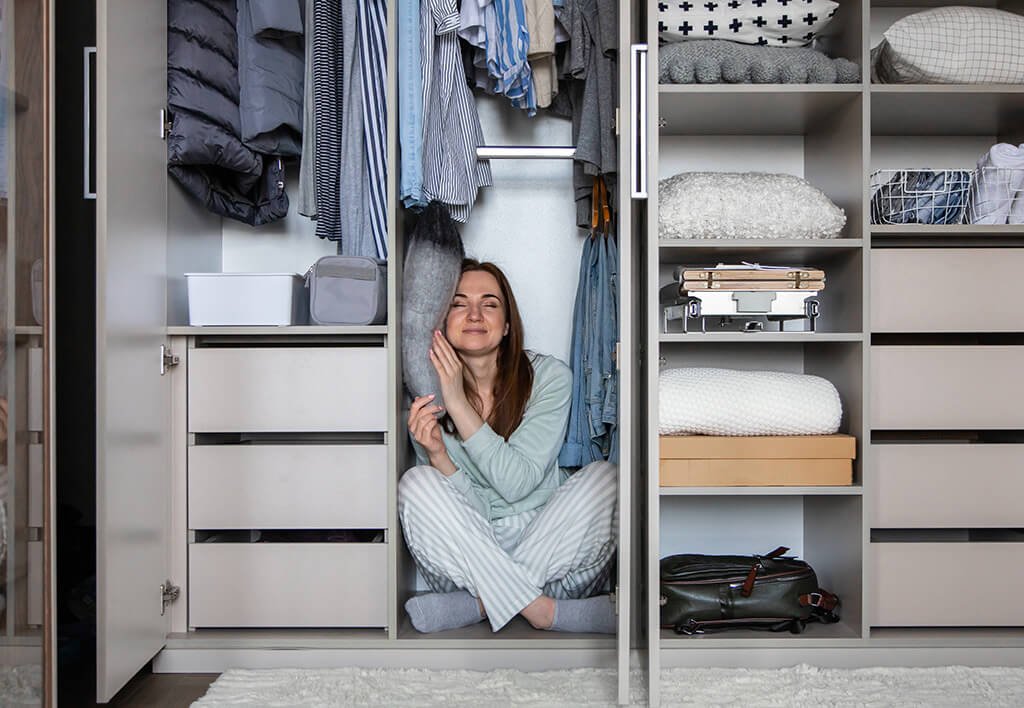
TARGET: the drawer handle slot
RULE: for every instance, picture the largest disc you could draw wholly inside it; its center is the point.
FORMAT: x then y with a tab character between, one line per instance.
291	536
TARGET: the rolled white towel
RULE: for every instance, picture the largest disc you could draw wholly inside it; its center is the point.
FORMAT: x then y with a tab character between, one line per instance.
994	190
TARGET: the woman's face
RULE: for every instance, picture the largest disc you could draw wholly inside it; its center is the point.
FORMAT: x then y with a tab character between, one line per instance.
476	319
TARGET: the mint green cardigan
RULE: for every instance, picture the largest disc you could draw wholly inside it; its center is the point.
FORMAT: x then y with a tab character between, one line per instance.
502	478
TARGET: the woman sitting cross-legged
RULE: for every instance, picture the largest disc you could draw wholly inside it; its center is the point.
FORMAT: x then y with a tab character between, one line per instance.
496	527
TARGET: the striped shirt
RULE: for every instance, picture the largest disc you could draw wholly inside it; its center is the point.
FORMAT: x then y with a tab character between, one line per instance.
328	92
511	70
373	64
452	174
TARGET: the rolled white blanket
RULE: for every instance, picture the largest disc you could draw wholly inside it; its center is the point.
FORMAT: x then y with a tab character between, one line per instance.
709	401
996	196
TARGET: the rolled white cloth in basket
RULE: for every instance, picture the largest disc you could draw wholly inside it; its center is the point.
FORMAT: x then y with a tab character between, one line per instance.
996	194
710	401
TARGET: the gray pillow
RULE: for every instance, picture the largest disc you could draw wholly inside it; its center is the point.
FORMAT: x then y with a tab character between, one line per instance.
952	45
713	61
433	266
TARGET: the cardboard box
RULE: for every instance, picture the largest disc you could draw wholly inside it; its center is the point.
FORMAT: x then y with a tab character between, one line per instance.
769	461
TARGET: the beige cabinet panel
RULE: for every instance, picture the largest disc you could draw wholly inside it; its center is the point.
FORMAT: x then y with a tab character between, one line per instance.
940	290
287	486
947	486
301	389
288	584
947	584
947	387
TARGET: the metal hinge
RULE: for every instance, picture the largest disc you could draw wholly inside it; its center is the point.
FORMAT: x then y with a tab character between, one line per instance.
165	123
169	592
616	121
615	599
617	354
167	359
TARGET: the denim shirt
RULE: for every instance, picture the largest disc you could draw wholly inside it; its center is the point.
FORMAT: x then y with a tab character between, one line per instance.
410	104
593	421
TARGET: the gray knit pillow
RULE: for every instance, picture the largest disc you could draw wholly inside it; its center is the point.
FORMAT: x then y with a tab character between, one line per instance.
433	266
713	61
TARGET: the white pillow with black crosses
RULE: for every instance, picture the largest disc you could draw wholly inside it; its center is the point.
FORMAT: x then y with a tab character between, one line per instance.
773	23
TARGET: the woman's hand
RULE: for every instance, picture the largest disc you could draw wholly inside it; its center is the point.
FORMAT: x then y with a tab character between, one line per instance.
424	426
449	369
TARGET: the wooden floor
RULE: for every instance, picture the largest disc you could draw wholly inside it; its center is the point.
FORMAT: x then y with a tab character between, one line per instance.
148	690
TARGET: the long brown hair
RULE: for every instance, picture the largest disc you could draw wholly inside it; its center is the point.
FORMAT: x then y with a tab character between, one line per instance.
514	381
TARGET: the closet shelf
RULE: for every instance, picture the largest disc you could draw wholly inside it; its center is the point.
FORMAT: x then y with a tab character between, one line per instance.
932	3
517	634
764	250
754	109
851	491
949	636
945	109
186	330
800	337
28	330
839	634
953	230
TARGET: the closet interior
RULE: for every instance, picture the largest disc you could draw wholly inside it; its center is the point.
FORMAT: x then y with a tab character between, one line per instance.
220	500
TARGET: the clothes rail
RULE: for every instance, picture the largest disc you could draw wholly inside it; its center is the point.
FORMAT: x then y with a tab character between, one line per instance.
525	153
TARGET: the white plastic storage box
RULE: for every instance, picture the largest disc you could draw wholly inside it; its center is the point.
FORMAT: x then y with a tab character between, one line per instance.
230	299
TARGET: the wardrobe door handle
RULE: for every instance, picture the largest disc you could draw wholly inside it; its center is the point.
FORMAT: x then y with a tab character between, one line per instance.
638	118
88	186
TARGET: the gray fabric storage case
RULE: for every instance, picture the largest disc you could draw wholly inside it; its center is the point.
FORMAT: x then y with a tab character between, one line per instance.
348	290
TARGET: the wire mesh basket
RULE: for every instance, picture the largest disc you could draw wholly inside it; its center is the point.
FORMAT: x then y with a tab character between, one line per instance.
988	195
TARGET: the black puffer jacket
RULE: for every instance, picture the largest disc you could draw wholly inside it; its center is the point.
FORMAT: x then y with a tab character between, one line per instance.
204	150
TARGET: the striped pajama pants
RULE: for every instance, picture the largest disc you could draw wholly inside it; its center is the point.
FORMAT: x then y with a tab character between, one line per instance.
562	549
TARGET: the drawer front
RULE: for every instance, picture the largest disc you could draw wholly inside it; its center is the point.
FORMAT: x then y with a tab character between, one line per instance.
309	389
287	486
947	387
947	584
948	486
288	585
936	290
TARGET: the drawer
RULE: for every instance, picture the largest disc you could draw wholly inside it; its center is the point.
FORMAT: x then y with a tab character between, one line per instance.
308	389
948	486
287	486
947	387
940	290
947	584
288	584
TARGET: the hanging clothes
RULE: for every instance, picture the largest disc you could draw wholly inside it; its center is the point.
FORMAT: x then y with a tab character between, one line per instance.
478	21
373	66
540	24
205	153
270	71
328	97
410	105
593	432
590	95
353	191
452	174
307	163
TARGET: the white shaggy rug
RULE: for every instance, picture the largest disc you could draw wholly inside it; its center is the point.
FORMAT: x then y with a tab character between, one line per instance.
797	686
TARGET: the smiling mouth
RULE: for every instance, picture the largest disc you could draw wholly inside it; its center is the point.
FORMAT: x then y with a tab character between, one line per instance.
474	331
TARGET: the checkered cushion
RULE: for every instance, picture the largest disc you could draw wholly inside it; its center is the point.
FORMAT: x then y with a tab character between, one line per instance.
953	45
774	23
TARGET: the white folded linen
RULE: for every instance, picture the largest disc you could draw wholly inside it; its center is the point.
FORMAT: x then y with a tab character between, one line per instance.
996	194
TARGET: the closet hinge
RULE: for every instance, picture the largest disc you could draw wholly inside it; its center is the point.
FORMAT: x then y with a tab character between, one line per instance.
616	355
169	592
615	599
165	123
616	120
167	359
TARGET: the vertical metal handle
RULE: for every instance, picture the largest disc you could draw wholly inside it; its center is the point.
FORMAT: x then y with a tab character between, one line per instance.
638	118
88	189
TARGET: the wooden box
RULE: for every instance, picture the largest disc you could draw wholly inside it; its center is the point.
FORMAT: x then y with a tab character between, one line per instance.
763	461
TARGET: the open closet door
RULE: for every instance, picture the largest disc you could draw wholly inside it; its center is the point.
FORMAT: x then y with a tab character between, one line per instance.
632	403
132	394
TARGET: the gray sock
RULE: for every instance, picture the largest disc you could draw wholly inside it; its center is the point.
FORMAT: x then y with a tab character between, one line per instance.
438	611
591	614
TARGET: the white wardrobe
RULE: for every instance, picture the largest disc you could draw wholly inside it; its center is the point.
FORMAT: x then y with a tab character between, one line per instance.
208	435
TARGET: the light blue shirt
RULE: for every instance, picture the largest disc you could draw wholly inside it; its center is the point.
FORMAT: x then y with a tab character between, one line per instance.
410	104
